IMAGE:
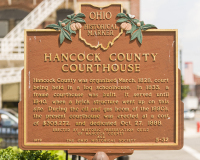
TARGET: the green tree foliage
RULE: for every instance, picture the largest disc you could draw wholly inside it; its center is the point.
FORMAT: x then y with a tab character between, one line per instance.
36	155
14	153
7	153
184	89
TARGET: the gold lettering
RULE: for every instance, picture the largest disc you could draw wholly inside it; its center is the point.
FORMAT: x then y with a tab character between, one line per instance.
145	55
94	15
104	68
89	67
45	57
87	57
96	57
121	68
128	58
102	26
71	68
85	26
107	33
108	16
99	15
70	57
98	33
81	54
63	67
130	67
113	60
103	33
56	57
154	56
137	56
114	68
64	56
79	68
97	67
111	33
137	67
118	57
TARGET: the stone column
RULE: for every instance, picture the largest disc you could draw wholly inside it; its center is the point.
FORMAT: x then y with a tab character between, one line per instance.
66	4
135	8
75	7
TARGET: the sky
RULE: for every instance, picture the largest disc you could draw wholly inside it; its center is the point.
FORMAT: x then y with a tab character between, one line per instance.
183	15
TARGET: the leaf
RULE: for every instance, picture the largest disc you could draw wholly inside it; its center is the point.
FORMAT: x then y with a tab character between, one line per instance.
135	34
129	17
79	15
70	16
73	15
66	34
135	20
134	27
142	23
121	15
65	21
60	23
53	26
121	20
148	26
61	37
80	20
140	36
68	28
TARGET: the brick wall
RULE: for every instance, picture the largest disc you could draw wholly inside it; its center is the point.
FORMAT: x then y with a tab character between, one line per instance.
135	8
29	5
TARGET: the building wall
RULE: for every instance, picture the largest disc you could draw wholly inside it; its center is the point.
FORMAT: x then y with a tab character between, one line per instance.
197	90
131	6
27	5
12	11
125	4
188	74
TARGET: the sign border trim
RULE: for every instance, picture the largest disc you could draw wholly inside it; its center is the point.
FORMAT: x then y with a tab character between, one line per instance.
102	144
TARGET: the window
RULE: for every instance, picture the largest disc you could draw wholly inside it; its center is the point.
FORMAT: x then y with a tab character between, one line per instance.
4	25
62	13
9	18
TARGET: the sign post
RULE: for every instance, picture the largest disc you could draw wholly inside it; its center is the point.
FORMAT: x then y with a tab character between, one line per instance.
114	86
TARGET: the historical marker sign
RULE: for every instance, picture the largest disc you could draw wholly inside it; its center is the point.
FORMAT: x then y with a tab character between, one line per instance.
101	90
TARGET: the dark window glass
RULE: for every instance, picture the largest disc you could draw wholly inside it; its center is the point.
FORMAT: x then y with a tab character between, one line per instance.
62	14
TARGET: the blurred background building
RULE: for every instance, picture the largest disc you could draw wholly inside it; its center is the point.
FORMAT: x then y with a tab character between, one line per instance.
192	100
192	80
17	15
